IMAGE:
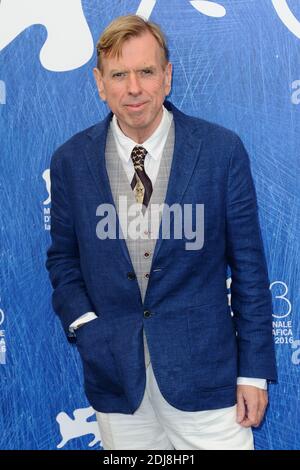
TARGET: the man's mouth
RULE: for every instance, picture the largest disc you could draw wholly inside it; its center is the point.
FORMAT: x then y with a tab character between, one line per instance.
135	105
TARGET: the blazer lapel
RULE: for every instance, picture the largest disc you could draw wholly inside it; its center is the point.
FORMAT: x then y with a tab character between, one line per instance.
188	141
95	156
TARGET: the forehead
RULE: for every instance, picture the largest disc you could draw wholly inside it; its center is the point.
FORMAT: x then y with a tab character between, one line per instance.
136	51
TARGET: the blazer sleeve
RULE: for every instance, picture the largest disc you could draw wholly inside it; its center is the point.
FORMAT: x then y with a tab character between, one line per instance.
251	299
70	299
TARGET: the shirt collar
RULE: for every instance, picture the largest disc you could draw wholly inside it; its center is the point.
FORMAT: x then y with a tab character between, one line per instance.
126	144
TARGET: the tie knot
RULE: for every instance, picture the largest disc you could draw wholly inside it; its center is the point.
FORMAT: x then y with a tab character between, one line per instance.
138	155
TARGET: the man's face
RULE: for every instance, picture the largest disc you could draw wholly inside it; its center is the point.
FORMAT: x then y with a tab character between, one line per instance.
135	85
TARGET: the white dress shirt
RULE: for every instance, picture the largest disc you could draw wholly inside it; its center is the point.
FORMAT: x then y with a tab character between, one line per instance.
154	146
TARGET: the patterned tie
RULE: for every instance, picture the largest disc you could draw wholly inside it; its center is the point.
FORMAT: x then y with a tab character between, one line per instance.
141	183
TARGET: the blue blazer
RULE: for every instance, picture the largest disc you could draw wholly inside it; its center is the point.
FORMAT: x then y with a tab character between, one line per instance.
197	348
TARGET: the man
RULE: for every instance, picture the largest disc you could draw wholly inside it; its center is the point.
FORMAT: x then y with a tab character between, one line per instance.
165	363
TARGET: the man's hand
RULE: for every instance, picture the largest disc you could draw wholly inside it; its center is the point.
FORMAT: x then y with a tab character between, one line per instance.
251	405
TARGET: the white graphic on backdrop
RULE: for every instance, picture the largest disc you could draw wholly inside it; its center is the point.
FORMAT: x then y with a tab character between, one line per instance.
206	7
145	8
228	285
295	98
283	297
296	354
282	326
47	210
69	43
2	339
2	92
46	178
287	17
78	427
209	8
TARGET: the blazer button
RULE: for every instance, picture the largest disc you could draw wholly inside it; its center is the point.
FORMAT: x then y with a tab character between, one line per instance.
147	314
131	276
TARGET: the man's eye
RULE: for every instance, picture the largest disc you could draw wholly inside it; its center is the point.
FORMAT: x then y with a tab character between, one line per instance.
147	72
118	74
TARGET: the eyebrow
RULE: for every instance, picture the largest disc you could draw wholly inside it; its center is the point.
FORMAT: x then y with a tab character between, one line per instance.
121	70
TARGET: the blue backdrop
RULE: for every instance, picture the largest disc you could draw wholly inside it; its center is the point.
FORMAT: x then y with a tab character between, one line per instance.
236	63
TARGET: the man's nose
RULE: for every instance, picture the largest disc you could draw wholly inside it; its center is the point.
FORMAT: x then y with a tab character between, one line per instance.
134	87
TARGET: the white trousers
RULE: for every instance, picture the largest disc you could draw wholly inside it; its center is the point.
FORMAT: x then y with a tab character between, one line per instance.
158	425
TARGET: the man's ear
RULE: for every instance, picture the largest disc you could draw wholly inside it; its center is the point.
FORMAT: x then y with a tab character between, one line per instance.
168	78
99	82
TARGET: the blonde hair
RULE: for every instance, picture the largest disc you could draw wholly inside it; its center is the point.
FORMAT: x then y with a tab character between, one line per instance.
123	28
